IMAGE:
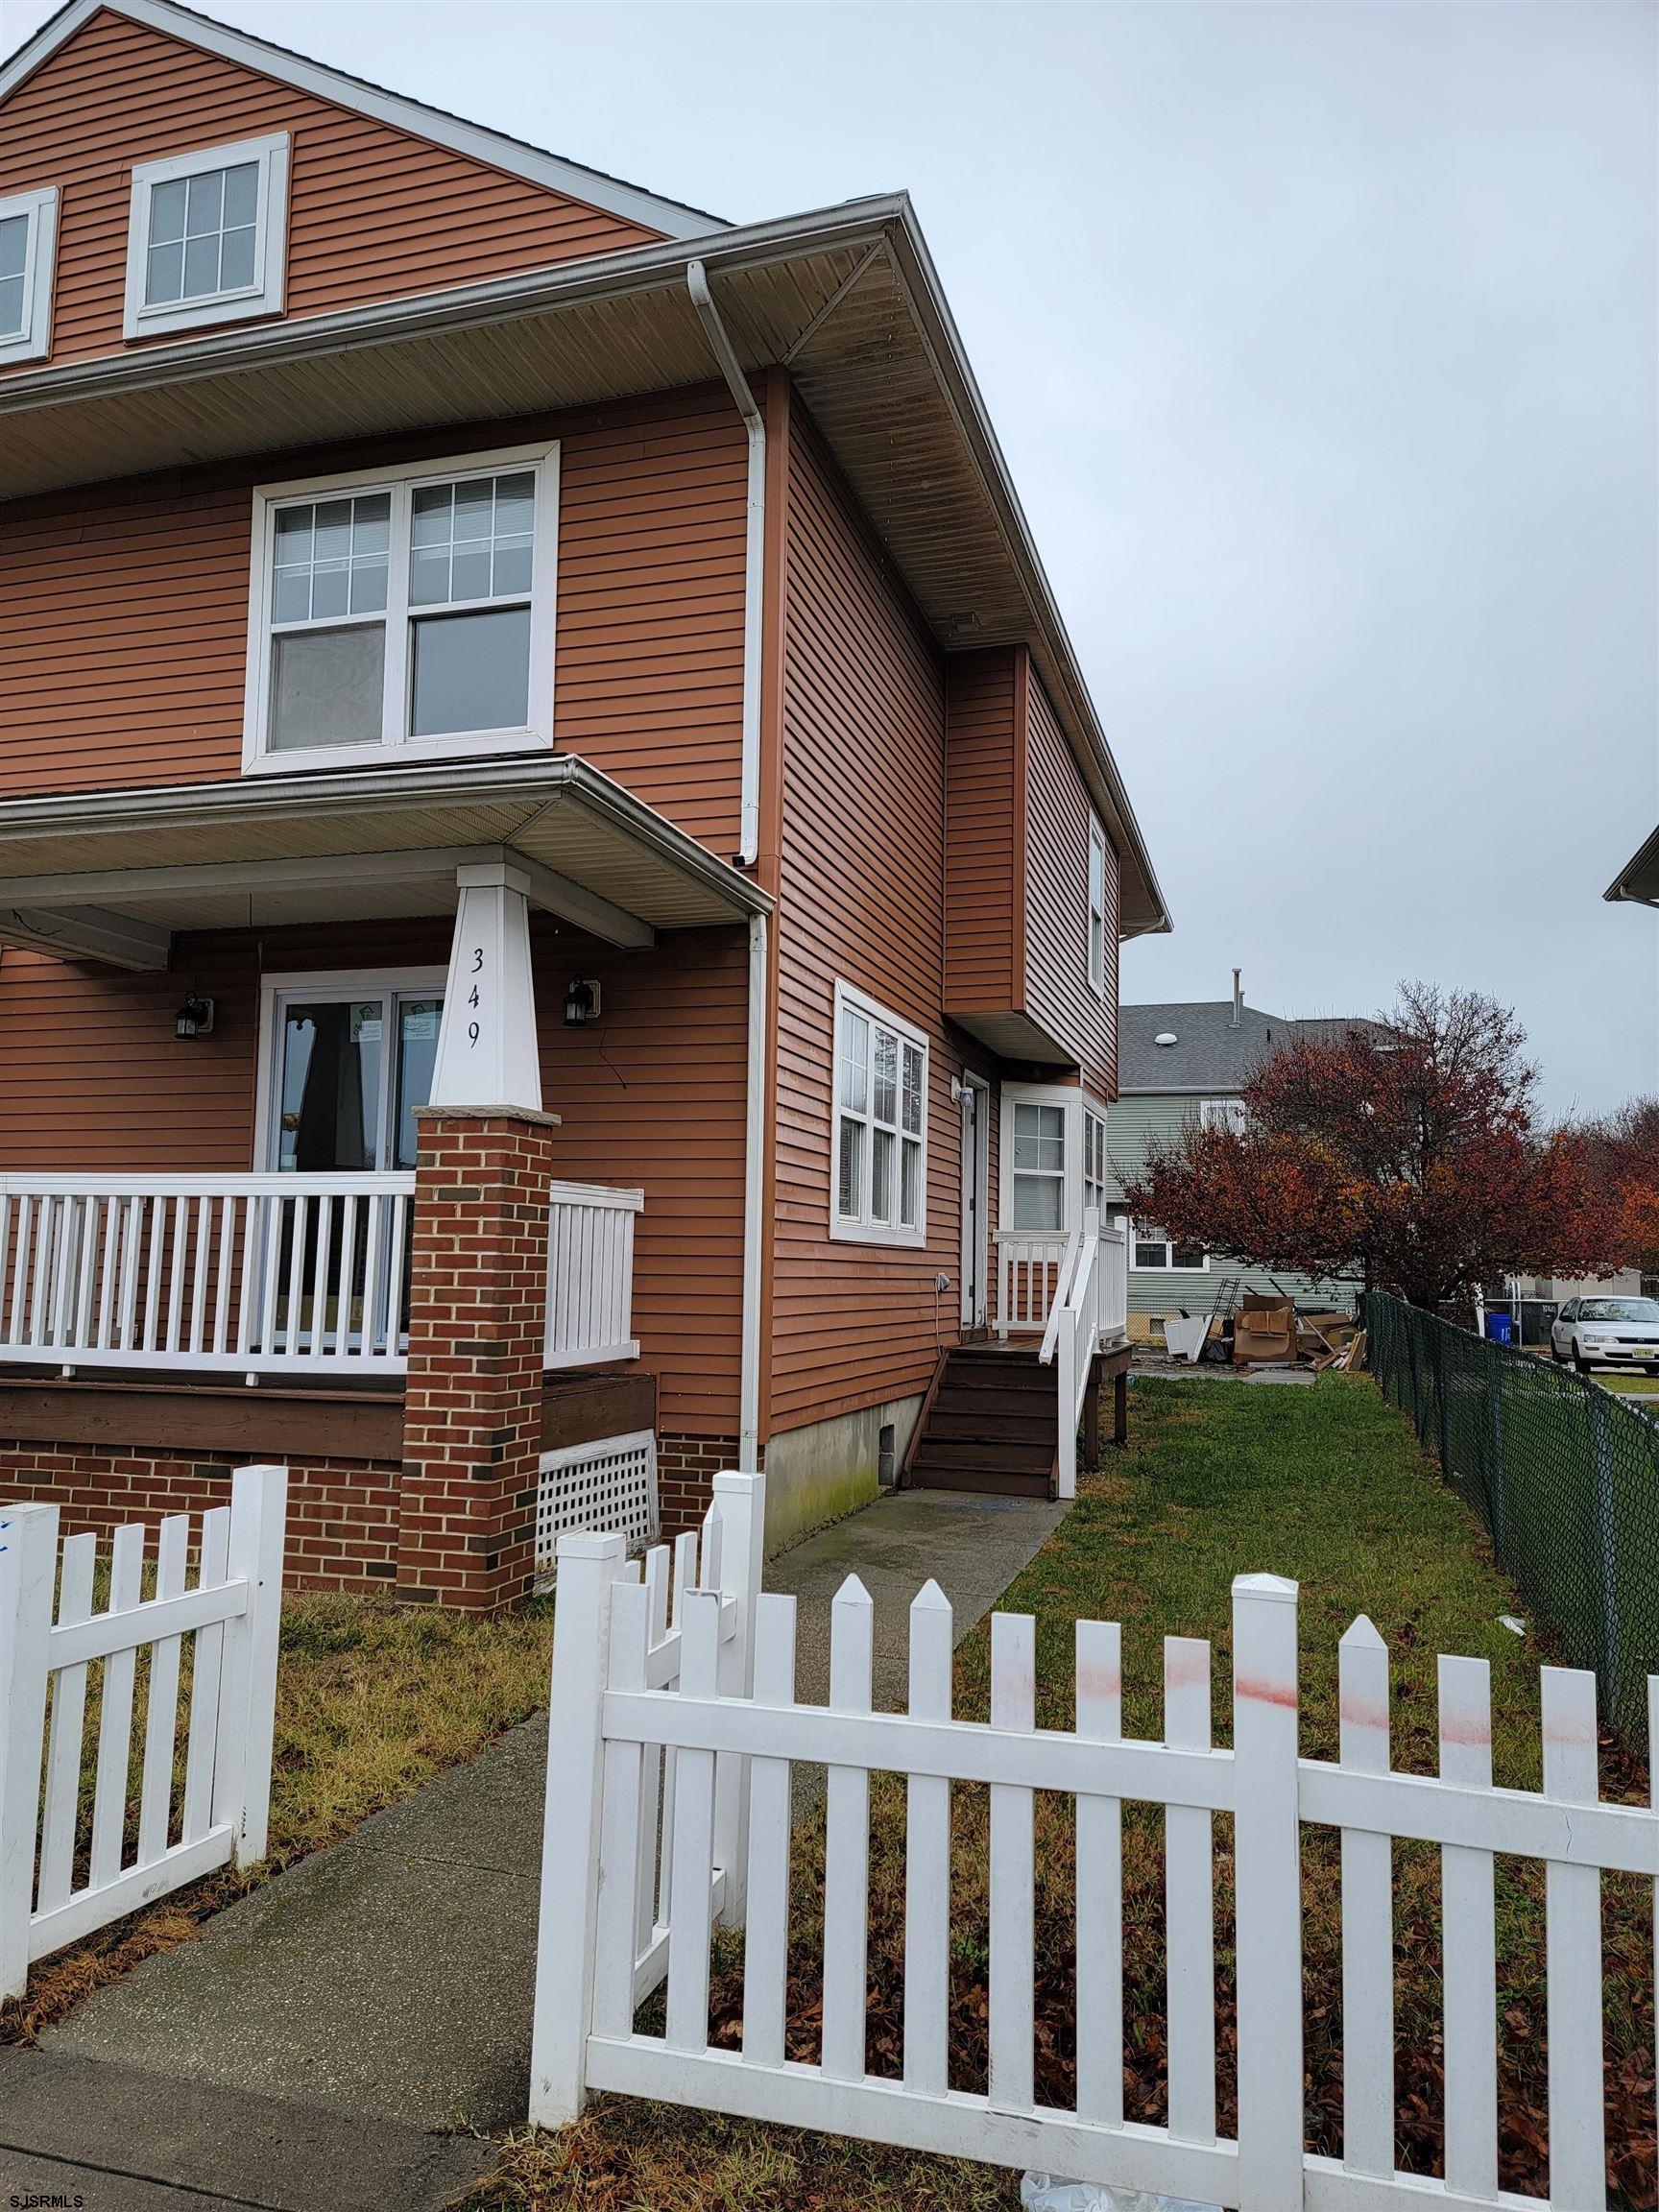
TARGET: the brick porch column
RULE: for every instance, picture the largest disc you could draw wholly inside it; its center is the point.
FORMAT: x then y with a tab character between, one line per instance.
477	1329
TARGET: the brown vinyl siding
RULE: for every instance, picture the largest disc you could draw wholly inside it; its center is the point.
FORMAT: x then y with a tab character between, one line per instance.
92	1078
862	885
985	942
124	609
375	213
1058	992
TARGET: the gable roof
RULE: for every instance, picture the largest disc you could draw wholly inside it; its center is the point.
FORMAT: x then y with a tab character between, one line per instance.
631	201
1638	880
1210	1055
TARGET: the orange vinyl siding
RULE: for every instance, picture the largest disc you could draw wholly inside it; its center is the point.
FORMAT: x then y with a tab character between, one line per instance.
1058	992
375	213
984	952
93	1078
124	611
862	901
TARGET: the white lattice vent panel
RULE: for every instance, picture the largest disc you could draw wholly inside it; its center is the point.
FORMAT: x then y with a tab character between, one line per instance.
608	1486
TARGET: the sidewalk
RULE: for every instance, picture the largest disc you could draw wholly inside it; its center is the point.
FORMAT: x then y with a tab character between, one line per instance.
386	1983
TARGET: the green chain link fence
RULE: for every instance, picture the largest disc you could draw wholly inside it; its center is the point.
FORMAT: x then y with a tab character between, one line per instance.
1564	1475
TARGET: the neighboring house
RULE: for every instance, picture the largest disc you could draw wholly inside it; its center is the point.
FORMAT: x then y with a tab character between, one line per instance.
1178	1064
557	869
1638	880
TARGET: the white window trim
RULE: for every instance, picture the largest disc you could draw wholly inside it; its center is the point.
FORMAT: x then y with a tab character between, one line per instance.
865	1231
1096	966
334	983
536	736
41	211
1168	1269
1073	1098
1220	1112
265	295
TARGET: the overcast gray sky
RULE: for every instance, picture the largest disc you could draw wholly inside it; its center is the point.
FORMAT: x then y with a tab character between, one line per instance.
1323	341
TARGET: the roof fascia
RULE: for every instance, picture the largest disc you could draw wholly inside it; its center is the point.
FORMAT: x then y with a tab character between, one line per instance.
626	201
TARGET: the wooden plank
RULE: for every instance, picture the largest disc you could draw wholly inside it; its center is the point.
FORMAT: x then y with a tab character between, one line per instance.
115	1711
1189	1904
1572	1909
847	1843
766	1939
1013	1892
1099	1850
927	1857
1469	1972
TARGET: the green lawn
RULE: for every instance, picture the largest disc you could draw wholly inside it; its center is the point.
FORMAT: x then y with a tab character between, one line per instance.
1324	1484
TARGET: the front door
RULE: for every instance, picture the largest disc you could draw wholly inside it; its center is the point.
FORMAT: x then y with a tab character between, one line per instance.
348	1068
975	1203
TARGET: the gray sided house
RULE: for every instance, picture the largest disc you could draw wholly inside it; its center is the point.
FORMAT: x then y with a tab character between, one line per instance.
1211	1047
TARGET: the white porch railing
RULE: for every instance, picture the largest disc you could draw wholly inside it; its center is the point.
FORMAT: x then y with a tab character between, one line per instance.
1089	1308
1031	1273
258	1274
590	1275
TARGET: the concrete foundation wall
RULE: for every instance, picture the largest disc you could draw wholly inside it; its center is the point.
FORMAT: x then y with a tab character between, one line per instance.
829	1468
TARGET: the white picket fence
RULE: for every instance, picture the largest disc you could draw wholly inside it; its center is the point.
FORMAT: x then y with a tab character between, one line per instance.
614	1717
52	1890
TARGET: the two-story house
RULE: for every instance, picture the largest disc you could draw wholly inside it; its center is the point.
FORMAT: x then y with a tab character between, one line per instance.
1179	1063
560	883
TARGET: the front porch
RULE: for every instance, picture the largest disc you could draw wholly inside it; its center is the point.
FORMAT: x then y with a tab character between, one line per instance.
424	1288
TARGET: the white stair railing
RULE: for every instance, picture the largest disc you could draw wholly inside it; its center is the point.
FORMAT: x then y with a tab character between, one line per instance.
1030	1272
254	1273
1073	1338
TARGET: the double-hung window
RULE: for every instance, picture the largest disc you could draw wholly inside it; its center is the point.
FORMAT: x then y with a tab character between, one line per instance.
206	238
408	611
1222	1114
1038	1184
1096	907
881	1193
1093	1162
27	237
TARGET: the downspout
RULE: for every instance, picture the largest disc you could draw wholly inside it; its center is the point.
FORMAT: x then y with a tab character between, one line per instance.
754	1199
749	845
754	553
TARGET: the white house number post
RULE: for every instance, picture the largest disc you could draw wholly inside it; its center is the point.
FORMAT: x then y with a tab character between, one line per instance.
487	1042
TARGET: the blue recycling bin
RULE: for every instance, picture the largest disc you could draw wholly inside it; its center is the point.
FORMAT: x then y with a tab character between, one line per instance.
1500	1328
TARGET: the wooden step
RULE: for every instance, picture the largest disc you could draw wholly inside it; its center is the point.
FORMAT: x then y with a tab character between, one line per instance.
965	1451
1002	1427
996	1485
992	1404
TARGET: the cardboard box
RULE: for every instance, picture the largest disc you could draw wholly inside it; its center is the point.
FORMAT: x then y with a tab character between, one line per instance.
1263	1329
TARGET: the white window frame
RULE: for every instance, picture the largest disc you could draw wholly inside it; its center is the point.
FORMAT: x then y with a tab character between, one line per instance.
265	294
336	985
1168	1268
40	211
863	1228
1075	1102
1094	1184
1220	1113
1097	947
402	481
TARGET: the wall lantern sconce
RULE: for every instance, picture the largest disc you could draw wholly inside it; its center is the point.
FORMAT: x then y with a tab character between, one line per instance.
195	1017
580	1002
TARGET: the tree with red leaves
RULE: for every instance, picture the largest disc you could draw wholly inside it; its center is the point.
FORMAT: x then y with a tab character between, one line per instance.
1406	1153
1626	1146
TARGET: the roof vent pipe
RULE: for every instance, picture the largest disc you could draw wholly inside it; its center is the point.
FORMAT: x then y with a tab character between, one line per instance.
1237	997
755	546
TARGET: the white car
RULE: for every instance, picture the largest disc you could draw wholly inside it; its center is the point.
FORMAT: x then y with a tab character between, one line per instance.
1607	1332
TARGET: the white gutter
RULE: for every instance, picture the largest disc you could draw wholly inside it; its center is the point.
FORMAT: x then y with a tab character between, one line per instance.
754	555
754	1195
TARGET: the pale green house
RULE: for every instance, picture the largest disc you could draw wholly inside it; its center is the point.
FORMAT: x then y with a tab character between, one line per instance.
1190	1062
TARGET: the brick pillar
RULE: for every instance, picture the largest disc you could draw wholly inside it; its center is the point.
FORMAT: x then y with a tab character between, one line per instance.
477	1324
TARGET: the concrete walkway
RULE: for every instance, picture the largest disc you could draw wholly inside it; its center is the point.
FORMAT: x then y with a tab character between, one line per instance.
388	1981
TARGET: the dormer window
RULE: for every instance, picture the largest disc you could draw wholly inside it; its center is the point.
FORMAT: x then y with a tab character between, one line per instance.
206	235
27	235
